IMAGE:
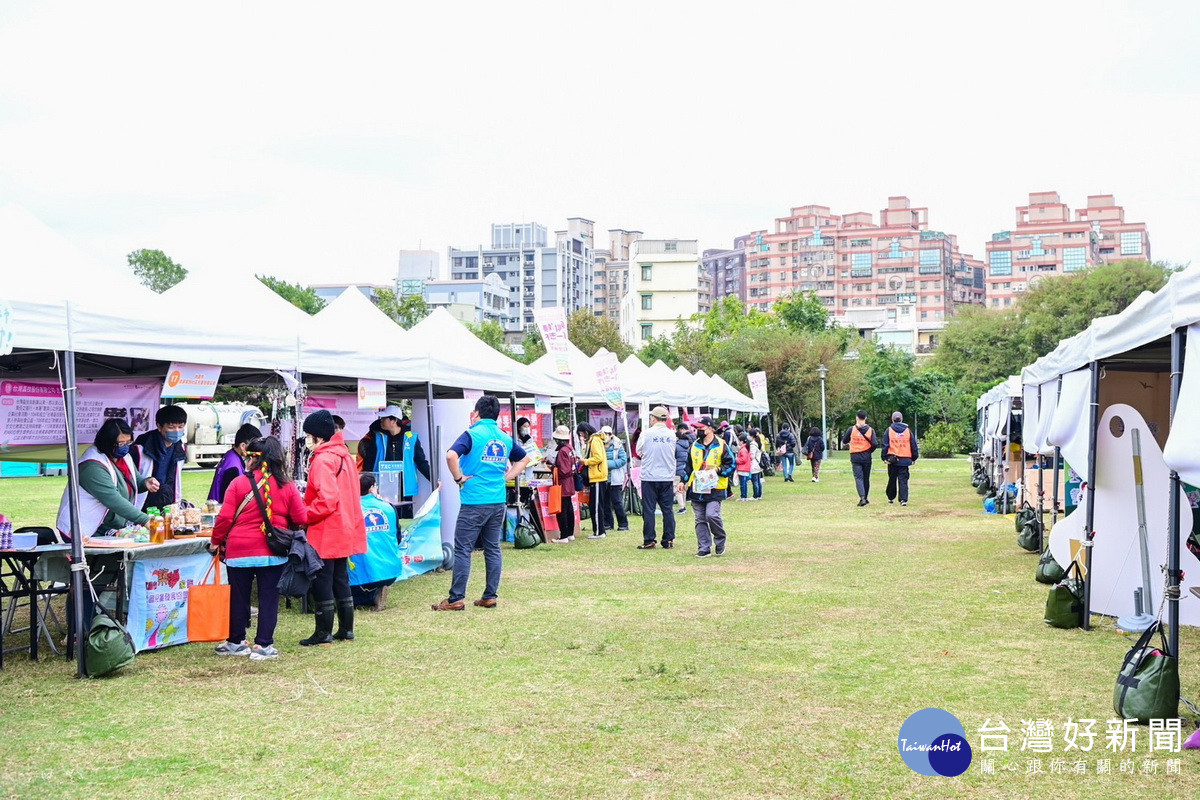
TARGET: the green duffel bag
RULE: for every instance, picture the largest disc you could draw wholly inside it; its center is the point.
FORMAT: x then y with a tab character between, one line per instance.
983	487
1064	606
1148	684
1027	514
1030	537
1048	570
525	537
109	645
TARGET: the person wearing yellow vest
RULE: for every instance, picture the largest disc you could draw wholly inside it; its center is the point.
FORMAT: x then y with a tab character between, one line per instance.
595	458
900	450
861	439
706	473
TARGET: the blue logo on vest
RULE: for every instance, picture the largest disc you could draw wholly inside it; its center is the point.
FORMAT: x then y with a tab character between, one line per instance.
933	742
376	522
495	451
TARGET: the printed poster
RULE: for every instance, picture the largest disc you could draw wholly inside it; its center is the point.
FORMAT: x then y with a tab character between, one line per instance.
552	322
358	420
158	595
193	381
31	412
372	393
608	376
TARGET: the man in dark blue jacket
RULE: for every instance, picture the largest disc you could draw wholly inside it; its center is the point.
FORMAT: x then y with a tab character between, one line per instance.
683	444
899	450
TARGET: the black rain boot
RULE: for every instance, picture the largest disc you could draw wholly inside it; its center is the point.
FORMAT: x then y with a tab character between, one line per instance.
324	625
345	616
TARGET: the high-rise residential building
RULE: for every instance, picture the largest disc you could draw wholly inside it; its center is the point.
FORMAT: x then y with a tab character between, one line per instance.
1047	240
854	264
612	273
664	287
538	274
727	270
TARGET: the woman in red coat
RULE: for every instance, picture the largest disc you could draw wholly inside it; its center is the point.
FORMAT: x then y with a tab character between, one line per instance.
335	525
240	532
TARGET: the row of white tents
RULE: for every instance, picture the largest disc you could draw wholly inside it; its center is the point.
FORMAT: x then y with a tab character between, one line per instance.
1117	402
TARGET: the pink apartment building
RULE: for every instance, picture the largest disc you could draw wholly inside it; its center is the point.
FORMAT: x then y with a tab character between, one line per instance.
1047	241
857	266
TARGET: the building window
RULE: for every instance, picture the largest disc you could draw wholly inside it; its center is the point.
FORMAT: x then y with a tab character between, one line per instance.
860	266
1074	258
647	272
1000	262
1131	243
1036	247
647	332
931	258
647	302
669	247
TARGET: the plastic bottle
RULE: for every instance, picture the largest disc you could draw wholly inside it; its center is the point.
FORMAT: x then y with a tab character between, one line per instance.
155	526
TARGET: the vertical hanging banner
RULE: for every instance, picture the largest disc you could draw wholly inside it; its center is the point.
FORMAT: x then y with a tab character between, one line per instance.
758	387
674	412
541	404
552	322
608	376
192	381
372	393
6	329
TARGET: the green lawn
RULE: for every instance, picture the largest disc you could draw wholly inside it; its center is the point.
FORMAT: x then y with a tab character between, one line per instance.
784	669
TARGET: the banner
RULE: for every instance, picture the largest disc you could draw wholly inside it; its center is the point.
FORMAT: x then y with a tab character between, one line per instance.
608	376
552	322
6	328
372	393
31	412
158	595
758	387
191	381
472	394
345	405
421	543
541	404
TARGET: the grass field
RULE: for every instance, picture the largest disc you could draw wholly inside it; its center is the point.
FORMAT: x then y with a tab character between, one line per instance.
784	669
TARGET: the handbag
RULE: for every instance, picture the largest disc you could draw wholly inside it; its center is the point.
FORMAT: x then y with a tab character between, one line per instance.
1030	537
1148	684
554	494
109	646
633	500
1048	570
1025	515
279	540
781	450
1064	605
208	607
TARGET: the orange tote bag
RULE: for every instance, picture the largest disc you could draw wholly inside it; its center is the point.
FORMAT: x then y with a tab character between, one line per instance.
208	607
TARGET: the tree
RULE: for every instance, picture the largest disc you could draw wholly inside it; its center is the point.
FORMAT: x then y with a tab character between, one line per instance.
492	334
405	311
155	270
532	345
589	333
802	311
305	299
660	348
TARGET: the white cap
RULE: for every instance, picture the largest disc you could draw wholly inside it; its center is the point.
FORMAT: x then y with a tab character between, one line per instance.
390	411
606	430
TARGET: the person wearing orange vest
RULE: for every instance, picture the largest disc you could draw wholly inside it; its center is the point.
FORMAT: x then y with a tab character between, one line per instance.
900	450
861	440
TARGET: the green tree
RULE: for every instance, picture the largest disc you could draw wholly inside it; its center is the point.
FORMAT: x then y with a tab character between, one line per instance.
406	311
802	311
155	270
660	348
533	346
589	333
491	333
303	298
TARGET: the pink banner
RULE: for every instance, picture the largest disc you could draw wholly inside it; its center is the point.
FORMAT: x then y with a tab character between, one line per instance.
31	412
346	407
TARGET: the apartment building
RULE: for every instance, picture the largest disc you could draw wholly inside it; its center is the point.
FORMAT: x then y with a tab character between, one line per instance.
727	270
611	278
1047	240
664	287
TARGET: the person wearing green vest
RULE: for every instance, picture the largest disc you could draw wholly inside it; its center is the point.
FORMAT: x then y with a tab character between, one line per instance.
391	439
481	462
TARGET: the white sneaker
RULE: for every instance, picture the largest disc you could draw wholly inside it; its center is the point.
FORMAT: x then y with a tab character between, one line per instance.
598	536
560	541
260	653
814	480
232	649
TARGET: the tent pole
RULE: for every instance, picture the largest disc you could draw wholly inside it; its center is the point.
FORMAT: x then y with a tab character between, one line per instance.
1057	459
1090	518
1041	493
78	563
434	462
1178	349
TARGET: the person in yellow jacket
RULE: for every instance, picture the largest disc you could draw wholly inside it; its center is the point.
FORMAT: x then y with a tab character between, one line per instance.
595	458
709	465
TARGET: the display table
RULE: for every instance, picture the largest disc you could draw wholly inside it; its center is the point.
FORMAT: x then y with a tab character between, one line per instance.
19	578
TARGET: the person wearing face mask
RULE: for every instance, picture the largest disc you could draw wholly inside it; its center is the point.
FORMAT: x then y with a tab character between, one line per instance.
233	464
110	486
529	444
335	525
391	438
160	454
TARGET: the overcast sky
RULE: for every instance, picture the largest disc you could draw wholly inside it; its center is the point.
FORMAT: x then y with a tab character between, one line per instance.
315	140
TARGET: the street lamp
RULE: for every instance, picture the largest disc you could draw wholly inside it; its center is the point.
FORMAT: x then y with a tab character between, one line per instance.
822	371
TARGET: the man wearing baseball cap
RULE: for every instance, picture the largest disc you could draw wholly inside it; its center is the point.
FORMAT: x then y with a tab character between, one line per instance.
391	438
656	449
709	465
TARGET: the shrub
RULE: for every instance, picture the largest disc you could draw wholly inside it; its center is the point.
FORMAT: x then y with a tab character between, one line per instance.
944	439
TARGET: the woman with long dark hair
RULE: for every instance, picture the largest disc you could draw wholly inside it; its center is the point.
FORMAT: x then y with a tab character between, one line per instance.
240	531
595	458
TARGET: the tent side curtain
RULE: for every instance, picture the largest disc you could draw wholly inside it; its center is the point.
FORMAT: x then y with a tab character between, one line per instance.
1068	429
1181	452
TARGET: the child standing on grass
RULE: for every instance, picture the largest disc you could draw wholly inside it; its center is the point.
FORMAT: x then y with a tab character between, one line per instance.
814	451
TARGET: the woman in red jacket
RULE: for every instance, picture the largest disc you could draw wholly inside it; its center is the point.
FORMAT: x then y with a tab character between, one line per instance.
335	525
241	533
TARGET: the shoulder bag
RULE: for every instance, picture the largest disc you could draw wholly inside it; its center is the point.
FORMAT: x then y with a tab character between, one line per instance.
1064	605
1148	684
279	540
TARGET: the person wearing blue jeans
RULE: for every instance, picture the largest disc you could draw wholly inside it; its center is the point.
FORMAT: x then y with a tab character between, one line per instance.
481	462
787	459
